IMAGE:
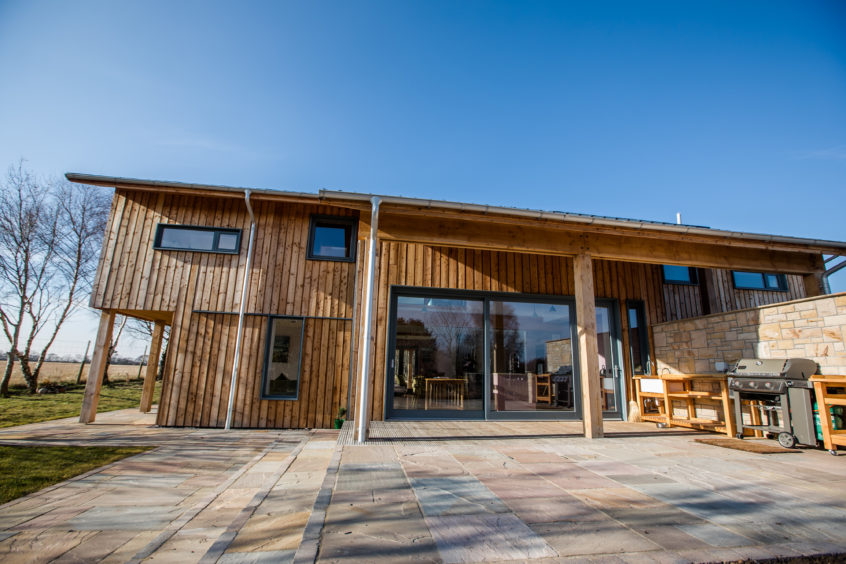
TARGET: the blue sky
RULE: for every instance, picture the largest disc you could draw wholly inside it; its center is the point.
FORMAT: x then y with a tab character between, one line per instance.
733	113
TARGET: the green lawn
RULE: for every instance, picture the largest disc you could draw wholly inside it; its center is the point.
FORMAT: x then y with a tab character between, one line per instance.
22	408
25	469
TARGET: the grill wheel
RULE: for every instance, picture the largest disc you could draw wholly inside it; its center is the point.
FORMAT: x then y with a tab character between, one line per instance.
786	440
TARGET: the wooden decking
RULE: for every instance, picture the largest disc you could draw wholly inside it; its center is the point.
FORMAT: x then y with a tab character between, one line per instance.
439	432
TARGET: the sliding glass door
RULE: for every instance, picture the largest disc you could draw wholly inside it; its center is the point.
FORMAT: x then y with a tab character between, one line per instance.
438	363
468	355
608	359
531	356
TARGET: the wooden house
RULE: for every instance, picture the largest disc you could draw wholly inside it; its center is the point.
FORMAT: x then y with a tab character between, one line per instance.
286	306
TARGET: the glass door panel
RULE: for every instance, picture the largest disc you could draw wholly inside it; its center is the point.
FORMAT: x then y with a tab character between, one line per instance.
531	356
608	372
438	362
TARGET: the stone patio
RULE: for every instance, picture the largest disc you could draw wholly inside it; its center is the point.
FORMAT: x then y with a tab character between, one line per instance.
424	492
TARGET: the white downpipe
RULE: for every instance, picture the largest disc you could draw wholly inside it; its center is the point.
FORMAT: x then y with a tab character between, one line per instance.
234	380
363	393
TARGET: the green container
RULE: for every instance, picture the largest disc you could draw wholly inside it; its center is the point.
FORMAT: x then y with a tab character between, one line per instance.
837	420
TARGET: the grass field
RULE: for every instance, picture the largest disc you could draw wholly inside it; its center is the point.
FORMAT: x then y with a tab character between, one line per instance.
66	372
22	408
25	469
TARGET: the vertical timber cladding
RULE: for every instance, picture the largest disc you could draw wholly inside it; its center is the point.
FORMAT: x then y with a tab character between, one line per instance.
195	390
683	301
410	264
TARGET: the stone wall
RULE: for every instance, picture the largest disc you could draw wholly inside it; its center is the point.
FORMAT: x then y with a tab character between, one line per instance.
812	328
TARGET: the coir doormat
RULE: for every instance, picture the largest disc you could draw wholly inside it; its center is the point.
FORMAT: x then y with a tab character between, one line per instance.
756	446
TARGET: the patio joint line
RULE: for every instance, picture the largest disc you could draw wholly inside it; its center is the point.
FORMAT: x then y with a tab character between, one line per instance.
310	544
183	519
220	545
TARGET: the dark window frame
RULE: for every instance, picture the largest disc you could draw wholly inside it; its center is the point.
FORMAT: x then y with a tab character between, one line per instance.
267	348
487	296
643	336
218	231
780	278
347	222
693	276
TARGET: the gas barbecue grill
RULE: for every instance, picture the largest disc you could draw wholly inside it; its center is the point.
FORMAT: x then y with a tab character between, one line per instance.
778	394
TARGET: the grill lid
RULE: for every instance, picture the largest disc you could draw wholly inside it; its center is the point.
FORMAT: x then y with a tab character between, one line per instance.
787	368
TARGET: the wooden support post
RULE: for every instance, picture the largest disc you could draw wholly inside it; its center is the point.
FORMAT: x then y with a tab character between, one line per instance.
152	368
97	367
588	347
813	285
728	412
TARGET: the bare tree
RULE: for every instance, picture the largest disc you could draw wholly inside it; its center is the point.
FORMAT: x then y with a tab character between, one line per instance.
50	236
142	330
113	347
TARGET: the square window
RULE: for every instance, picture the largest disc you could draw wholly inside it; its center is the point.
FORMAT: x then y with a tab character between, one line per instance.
332	238
227	241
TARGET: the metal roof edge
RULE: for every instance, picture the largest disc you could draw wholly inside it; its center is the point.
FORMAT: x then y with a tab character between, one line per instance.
585	219
324	195
99	180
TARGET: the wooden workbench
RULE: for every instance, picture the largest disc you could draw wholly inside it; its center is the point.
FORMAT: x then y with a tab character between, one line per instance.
666	396
826	399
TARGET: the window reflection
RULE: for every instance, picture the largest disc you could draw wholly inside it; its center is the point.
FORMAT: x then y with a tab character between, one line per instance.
605	359
438	362
531	357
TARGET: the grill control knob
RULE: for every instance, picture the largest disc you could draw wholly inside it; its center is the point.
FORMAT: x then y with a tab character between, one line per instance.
753	384
768	384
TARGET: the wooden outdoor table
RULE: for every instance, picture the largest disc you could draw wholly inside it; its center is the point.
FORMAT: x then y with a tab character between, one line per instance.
690	395
450	390
825	400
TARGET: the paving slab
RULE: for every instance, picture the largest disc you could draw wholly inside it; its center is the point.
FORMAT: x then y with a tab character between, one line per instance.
264	557
592	538
455	495
477	538
468	492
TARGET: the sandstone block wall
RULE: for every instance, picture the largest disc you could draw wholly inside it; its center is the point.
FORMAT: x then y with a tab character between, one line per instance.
812	328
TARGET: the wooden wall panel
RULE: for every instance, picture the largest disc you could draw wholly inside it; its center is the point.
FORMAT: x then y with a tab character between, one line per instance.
134	276
417	265
682	301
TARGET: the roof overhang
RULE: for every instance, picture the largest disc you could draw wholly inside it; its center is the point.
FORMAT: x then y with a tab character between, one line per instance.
514	229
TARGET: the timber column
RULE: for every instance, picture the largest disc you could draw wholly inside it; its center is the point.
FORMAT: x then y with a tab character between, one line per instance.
97	367
586	329
152	368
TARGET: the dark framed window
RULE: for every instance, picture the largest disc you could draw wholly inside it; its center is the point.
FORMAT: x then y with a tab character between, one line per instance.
638	338
283	358
679	275
759	281
197	238
332	238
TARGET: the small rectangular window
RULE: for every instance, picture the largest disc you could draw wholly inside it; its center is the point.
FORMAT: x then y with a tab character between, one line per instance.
759	281
332	238
197	238
282	358
679	274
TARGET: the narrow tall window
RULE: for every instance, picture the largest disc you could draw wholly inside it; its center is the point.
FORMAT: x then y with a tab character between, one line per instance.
282	358
638	338
332	238
197	238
